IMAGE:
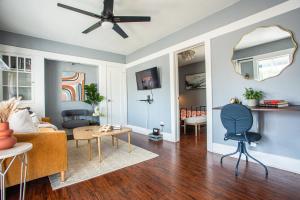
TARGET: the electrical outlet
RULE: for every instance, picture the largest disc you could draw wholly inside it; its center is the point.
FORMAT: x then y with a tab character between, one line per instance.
253	144
162	124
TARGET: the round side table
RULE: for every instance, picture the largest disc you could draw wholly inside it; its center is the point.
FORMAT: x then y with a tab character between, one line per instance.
18	151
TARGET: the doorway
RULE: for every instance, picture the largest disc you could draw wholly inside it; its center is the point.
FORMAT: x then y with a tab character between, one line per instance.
191	90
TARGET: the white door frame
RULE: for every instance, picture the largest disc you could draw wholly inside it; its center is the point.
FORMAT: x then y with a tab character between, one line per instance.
175	118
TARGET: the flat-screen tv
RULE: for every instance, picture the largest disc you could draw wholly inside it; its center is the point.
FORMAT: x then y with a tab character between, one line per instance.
148	79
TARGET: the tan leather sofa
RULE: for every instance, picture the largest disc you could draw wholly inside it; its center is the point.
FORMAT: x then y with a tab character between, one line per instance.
48	156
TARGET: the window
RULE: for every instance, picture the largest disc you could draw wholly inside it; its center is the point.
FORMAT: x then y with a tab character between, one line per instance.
16	81
272	66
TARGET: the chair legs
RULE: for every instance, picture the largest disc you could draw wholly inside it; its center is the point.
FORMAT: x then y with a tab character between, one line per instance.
230	154
264	166
243	150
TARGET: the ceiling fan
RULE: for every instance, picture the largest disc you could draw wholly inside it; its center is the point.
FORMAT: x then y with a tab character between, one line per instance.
107	18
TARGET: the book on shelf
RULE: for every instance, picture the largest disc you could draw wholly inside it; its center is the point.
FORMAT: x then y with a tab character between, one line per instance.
274	105
275	102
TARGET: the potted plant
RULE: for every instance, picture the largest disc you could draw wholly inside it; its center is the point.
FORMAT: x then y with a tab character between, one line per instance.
252	96
93	98
7	108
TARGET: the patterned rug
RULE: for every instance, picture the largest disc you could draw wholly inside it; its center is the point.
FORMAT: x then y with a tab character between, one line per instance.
81	169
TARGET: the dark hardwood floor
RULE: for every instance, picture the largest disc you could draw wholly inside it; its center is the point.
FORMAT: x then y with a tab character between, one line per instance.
182	171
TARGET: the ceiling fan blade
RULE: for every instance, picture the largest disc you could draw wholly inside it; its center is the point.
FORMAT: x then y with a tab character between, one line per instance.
120	19
119	30
79	10
97	25
108	6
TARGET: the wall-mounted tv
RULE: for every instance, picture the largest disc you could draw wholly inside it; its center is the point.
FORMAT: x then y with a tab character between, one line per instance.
148	79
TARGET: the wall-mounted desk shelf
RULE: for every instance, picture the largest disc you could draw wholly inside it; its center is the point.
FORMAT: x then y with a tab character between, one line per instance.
291	108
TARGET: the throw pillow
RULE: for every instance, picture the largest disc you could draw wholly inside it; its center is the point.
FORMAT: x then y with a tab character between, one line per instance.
21	122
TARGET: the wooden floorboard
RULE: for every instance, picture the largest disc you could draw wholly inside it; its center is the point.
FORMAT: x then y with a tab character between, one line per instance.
183	170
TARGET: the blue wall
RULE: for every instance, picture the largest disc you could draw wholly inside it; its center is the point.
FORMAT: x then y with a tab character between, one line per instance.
281	130
160	109
228	15
29	42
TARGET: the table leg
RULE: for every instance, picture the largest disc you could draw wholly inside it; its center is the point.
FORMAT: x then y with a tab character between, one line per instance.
129	142
2	181
23	159
117	141
99	148
90	149
2	186
2	175
113	140
76	143
196	130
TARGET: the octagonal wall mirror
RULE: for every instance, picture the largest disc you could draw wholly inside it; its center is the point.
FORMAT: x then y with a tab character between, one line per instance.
264	53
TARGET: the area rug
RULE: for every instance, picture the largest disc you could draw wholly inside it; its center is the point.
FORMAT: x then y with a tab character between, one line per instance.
81	169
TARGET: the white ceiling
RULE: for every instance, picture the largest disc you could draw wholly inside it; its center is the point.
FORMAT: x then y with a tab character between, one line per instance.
198	57
262	35
43	19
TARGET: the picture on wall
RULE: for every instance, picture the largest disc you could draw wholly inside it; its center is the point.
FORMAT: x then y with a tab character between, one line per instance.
72	85
195	81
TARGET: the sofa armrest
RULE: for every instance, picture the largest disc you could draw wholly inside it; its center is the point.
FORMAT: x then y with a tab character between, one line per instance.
48	155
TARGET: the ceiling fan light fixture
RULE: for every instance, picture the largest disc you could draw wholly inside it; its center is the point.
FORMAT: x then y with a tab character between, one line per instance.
107	25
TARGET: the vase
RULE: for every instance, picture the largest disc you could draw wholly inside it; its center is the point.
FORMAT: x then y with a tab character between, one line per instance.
252	102
7	140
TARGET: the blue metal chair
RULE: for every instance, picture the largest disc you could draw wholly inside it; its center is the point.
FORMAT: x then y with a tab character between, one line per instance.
238	120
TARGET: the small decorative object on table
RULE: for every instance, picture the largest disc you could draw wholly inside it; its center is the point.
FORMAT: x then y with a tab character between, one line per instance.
252	96
235	100
7	108
105	128
116	127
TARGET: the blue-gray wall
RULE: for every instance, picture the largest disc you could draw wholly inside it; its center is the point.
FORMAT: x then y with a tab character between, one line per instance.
237	11
191	97
280	130
53	72
160	109
29	42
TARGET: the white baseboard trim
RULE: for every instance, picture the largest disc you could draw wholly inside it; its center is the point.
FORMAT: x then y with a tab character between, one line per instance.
271	160
144	131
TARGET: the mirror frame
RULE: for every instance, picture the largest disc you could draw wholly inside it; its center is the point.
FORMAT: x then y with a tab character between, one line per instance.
293	53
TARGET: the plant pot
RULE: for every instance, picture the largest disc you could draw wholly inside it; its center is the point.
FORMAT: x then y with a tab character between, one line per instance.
7	140
252	102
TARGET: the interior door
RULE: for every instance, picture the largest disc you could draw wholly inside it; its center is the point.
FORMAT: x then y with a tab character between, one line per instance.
114	95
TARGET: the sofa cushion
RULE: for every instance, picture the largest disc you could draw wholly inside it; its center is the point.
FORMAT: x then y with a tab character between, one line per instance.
70	124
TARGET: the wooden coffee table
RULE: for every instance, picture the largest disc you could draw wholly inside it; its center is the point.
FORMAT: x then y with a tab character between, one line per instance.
85	133
114	134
